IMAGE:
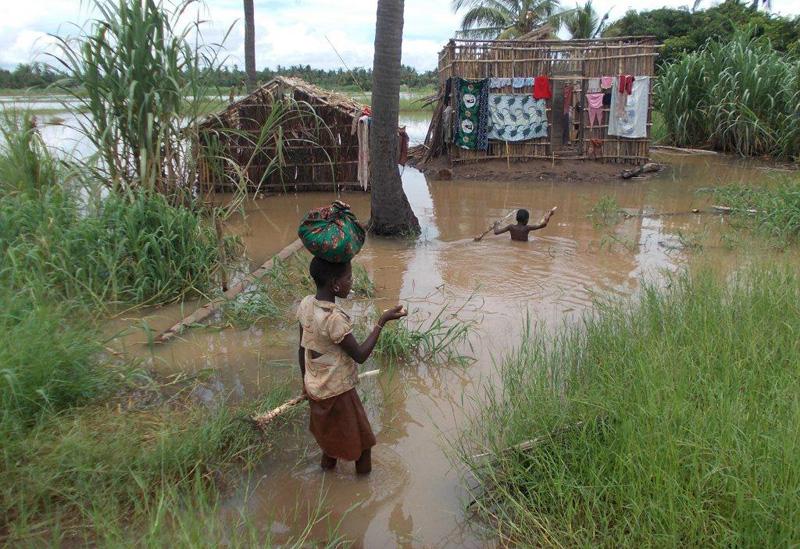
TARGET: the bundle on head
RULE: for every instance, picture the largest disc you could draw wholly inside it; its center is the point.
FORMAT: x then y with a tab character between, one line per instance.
332	233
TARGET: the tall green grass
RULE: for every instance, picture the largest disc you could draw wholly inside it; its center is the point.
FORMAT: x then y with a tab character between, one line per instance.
131	247
739	96
673	420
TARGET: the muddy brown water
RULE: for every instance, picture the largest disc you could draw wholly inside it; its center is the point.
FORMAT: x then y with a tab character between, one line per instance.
415	495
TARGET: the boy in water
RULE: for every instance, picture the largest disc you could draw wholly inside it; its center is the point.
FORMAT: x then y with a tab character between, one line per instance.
329	357
519	232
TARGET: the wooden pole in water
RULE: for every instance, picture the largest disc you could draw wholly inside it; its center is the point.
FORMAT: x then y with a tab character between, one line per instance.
262	420
211	307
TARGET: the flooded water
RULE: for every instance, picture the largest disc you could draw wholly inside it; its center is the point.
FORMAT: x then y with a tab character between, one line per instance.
415	496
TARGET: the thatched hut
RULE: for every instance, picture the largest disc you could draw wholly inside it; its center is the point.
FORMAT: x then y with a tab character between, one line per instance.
569	126
287	135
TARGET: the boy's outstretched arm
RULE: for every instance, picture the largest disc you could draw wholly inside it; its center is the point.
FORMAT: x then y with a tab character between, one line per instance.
360	352
543	223
498	230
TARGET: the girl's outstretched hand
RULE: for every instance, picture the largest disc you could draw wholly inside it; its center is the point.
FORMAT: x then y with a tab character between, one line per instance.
394	313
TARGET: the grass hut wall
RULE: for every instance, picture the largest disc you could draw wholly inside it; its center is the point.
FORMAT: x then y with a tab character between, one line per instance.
287	135
567	63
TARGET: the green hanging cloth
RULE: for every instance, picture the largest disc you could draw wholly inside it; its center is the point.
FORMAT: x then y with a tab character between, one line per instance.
472	123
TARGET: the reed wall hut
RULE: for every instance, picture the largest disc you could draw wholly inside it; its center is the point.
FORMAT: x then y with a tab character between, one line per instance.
570	67
308	143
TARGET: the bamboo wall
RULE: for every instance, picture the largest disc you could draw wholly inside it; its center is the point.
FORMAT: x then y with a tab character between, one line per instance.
575	61
319	150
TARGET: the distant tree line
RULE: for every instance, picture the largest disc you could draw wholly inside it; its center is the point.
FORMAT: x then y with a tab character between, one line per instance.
33	75
38	75
357	78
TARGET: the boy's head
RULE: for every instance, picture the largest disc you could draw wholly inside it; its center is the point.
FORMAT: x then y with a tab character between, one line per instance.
523	216
336	277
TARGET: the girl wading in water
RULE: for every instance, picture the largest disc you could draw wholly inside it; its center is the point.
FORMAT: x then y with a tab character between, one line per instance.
329	354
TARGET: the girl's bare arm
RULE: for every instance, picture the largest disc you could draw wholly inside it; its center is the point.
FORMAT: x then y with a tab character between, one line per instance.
361	352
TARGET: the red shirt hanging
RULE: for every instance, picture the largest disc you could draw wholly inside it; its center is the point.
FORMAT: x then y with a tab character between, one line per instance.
541	88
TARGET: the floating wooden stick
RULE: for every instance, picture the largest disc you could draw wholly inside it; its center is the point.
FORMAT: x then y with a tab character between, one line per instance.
262	420
528	444
490	229
211	307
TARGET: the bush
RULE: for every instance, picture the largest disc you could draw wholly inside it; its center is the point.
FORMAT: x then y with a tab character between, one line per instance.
740	96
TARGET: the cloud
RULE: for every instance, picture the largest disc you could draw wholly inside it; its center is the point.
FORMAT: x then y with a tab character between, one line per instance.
289	32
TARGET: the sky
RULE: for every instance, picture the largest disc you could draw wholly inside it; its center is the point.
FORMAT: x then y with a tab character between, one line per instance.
288	32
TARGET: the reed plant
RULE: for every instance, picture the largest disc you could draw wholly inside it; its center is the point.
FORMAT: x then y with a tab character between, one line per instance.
740	96
668	420
136	74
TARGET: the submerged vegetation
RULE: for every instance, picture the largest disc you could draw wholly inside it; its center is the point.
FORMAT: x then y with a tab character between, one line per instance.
739	96
771	210
437	339
668	421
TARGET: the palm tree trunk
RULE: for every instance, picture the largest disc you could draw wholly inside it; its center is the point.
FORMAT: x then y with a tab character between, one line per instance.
250	44
391	213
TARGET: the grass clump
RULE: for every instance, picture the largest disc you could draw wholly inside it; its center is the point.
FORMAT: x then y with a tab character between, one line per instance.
438	339
605	212
772	210
669	421
740	96
46	360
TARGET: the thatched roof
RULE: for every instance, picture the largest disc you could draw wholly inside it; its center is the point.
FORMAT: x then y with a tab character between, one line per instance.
545	32
277	87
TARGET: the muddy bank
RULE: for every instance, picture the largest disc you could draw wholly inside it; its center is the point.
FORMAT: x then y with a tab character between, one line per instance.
567	171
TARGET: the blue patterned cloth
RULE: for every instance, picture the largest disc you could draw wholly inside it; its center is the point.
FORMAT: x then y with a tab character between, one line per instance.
516	117
499	82
522	82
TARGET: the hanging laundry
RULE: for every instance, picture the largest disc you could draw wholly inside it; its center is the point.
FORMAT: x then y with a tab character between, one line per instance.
626	83
595	101
567	109
522	83
516	117
402	146
363	151
447	124
633	121
473	98
593	85
624	86
541	88
499	82
568	89
606	82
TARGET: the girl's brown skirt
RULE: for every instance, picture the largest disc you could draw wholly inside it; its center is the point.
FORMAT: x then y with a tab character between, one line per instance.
340	426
